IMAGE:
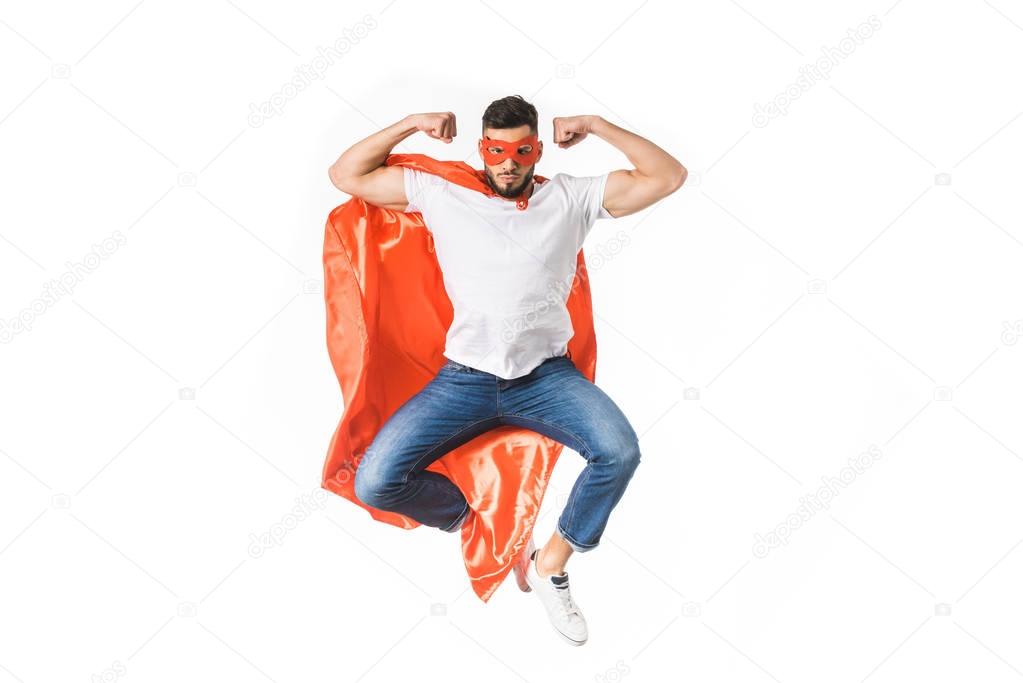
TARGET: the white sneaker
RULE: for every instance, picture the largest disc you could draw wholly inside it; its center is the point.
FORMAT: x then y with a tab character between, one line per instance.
553	591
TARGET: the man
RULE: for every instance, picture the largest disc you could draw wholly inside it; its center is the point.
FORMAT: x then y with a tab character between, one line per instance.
508	262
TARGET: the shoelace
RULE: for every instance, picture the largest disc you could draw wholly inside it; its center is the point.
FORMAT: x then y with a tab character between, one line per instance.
565	602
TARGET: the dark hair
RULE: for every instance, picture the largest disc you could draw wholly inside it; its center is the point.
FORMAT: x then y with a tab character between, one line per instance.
510	112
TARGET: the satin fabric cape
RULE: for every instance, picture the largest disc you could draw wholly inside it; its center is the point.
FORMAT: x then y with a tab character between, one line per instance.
387	319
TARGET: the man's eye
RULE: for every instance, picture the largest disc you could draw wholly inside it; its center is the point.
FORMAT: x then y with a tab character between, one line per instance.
525	149
496	150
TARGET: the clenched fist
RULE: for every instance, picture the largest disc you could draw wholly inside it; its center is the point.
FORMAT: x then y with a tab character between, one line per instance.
571	130
439	125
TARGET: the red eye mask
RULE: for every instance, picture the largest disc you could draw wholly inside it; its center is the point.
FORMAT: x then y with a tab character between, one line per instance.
510	148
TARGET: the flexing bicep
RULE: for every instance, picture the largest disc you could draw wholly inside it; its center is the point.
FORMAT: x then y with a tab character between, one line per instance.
627	192
383	187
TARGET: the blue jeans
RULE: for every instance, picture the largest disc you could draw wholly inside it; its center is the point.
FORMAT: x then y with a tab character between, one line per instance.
460	403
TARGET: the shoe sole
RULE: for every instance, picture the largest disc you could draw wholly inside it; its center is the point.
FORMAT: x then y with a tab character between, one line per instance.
568	640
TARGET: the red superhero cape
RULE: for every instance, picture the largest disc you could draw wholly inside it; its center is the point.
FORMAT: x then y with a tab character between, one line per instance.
387	319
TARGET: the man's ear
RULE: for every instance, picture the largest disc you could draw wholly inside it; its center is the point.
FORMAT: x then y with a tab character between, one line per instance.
539	154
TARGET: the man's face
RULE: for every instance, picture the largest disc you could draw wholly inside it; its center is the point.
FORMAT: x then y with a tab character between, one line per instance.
509	178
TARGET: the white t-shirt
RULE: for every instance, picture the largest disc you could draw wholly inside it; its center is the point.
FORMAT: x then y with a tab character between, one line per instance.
508	272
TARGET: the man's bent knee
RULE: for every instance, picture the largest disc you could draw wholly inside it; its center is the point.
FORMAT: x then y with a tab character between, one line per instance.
373	489
620	451
628	456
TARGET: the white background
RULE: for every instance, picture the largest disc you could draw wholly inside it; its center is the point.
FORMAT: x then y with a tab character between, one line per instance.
844	278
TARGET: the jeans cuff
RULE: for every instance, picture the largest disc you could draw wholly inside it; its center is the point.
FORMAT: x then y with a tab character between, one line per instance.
575	545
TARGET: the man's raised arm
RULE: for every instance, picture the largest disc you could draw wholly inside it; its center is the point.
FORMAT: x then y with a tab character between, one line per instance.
360	171
656	174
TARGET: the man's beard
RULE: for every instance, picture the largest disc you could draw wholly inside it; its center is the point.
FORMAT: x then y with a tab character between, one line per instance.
513	191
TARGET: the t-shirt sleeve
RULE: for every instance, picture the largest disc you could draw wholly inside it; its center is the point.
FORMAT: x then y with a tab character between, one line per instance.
420	189
589	194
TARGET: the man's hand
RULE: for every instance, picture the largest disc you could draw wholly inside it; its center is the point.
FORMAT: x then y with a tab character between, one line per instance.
439	125
571	130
